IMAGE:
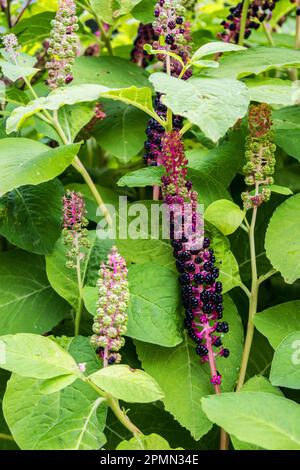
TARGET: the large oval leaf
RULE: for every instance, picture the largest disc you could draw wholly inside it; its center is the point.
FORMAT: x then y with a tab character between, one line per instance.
282	239
285	370
260	418
25	161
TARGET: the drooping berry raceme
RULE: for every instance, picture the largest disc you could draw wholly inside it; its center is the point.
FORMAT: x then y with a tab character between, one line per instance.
111	318
260	157
173	35
258	11
195	260
74	228
63	44
145	35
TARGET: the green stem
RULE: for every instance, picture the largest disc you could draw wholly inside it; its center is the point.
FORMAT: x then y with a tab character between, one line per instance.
80	298
243	22
186	128
6	437
268	34
118	412
266	276
252	304
78	165
105	37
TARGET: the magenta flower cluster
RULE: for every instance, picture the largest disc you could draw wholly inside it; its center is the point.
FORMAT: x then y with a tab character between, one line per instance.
63	44
110	321
74	228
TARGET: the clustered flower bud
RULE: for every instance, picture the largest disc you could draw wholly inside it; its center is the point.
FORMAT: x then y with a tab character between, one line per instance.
110	322
74	231
145	35
260	157
63	44
258	11
11	45
195	260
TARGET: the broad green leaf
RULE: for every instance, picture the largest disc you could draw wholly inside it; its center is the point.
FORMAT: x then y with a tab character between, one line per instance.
63	279
141	98
259	418
30	216
147	245
282	239
220	163
35	356
201	100
183	396
280	190
8	443
285	370
289	141
27	301
112	72
62	420
225	261
130	385
225	215
151	442
25	161
109	10
13	71
35	28
143	11
55	100
255	60
258	383
154	304
206	64
208	187
55	384
215	48
261	356
148	176
121	133
287	117
272	91
279	321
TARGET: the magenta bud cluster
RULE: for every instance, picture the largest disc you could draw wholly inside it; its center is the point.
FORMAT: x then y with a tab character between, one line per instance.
63	44
110	321
74	228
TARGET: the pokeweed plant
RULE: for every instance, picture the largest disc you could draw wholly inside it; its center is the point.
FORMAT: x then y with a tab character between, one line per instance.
76	104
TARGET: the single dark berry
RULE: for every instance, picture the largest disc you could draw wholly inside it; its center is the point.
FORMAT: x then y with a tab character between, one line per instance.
198	260
190	267
207	266
184	278
180	266
206	242
199	278
184	256
207	308
179	20
194	302
218	286
111	360
225	352
189	314
187	323
201	350
187	290
170	39
217	342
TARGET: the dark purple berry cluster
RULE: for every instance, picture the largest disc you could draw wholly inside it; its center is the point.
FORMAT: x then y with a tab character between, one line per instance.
258	11
155	133
145	35
201	297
